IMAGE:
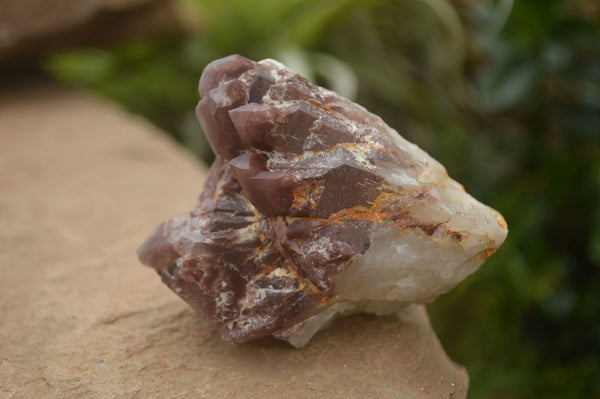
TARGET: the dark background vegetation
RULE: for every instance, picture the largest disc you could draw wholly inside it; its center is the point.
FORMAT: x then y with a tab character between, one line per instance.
505	93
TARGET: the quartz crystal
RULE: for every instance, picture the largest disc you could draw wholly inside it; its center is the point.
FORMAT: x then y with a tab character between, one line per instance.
314	208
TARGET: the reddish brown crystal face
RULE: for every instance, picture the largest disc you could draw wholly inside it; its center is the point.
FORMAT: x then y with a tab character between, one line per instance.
301	180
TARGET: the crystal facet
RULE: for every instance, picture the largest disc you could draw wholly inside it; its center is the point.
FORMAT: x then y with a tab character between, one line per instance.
313	208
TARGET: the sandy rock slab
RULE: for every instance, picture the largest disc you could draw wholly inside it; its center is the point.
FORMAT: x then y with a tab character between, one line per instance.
81	183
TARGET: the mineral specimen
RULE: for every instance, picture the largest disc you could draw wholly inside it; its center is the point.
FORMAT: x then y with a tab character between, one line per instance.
313	208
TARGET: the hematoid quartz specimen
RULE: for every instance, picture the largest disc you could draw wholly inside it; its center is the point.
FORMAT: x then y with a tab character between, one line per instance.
314	208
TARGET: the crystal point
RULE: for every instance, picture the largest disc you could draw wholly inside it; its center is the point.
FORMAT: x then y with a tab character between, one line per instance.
314	208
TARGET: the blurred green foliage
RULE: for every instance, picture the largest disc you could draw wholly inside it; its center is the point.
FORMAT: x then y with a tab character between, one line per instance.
505	93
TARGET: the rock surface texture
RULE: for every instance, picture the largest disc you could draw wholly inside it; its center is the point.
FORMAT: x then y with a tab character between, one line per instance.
313	208
79	318
34	28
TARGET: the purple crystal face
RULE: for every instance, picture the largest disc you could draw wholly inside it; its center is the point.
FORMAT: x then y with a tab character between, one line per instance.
301	181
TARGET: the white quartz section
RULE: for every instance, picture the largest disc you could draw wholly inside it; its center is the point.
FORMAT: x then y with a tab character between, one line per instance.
405	266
